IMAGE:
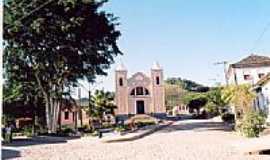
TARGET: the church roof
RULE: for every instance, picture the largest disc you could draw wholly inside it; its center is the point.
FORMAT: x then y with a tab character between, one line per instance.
121	67
252	61
156	66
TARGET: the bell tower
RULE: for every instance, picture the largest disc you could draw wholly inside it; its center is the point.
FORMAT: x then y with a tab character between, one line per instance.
158	92
121	90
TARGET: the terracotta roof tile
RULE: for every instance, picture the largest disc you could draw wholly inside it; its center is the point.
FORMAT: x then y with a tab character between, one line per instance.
252	61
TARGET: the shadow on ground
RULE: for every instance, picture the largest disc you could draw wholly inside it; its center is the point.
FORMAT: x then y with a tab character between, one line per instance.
38	141
199	127
9	153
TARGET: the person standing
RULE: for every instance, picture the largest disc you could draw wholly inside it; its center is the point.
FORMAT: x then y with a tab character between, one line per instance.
8	133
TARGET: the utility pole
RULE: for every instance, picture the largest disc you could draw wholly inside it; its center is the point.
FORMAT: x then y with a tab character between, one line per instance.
224	63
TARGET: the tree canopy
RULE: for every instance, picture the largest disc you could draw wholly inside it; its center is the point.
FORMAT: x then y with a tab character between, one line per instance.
56	43
101	102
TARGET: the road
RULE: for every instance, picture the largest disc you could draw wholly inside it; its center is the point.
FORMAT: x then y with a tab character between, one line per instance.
184	140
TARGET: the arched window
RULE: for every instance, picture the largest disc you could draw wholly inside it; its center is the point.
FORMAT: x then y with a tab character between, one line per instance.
120	81
139	91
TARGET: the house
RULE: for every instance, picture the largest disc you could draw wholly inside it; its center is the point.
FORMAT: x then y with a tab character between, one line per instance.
139	94
71	114
262	101
248	70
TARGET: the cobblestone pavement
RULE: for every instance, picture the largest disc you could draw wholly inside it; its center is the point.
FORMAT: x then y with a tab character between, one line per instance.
184	140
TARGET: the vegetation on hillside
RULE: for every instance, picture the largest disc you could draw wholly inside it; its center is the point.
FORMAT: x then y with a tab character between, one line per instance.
184	92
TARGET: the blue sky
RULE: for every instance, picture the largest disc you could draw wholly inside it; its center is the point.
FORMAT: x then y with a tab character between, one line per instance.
188	36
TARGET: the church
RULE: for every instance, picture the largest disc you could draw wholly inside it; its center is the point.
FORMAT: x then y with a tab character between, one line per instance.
139	94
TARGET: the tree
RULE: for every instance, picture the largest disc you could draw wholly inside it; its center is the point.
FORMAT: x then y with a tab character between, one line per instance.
195	101
241	97
173	95
187	84
56	43
216	100
100	103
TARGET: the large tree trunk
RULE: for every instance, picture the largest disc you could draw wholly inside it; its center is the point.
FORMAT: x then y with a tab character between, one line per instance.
52	104
48	119
52	114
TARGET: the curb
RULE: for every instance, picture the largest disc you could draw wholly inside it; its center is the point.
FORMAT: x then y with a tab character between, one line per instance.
123	139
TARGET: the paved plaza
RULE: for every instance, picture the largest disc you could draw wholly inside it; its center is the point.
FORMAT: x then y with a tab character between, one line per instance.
184	140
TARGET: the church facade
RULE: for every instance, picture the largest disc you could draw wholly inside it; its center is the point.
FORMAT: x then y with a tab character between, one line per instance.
139	94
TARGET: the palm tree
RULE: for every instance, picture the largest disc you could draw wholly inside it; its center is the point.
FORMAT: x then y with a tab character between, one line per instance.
101	103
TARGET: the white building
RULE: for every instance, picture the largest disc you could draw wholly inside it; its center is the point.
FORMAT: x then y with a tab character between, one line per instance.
249	70
262	101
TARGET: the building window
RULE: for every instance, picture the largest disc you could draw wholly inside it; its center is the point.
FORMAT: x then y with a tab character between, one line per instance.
235	78
121	82
66	115
260	75
247	77
157	80
146	91
139	91
132	92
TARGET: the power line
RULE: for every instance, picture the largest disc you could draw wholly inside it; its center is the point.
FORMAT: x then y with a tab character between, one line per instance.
256	42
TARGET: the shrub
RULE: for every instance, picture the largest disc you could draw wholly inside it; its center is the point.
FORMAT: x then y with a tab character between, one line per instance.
228	117
120	128
27	131
211	108
252	124
66	131
144	123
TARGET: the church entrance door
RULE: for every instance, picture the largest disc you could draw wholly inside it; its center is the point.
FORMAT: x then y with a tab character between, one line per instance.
140	107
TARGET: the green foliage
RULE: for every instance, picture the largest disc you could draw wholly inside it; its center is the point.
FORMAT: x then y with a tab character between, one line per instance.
101	102
211	108
56	43
217	97
173	95
195	101
193	96
7	118
27	131
240	96
144	123
216	101
181	92
66	130
120	128
11	92
252	124
187	84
